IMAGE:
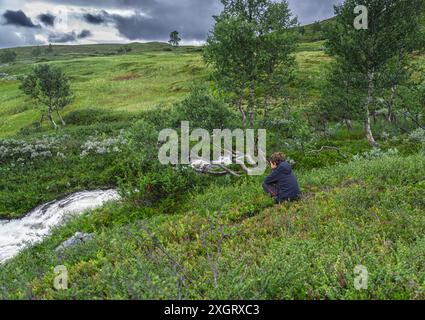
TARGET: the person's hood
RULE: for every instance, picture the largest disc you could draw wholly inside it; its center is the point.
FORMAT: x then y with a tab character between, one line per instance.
284	166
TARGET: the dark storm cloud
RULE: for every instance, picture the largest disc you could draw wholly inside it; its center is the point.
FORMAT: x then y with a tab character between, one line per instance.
139	26
112	3
84	34
307	10
148	20
153	19
69	36
47	19
18	18
95	18
63	37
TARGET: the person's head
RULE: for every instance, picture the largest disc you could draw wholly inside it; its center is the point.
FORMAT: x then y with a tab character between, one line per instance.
276	159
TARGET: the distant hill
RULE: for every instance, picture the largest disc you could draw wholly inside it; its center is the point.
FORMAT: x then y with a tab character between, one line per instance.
309	33
42	53
314	32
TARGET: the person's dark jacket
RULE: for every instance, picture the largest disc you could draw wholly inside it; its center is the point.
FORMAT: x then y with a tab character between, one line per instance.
282	183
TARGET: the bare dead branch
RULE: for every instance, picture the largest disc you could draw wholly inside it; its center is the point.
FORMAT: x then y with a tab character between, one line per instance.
237	157
233	173
328	148
409	114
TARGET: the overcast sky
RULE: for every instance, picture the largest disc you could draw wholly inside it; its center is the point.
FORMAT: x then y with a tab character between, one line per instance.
33	22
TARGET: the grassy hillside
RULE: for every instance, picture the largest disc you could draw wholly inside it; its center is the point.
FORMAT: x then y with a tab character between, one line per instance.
111	93
131	82
364	212
60	52
314	32
139	80
134	82
213	238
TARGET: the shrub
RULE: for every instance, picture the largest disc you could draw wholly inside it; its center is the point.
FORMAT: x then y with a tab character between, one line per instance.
22	151
147	181
293	126
7	56
418	136
165	182
36	52
143	136
96	145
124	50
376	154
205	111
143	175
91	116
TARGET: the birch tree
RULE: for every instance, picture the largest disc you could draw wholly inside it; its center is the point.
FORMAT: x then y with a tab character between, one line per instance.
387	29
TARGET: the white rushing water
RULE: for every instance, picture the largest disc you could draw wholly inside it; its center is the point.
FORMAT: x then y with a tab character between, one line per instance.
18	234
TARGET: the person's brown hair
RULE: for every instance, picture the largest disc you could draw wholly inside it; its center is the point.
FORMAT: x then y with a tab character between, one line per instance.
277	158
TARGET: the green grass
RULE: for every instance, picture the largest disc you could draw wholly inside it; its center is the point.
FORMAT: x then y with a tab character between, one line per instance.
306	88
311	46
61	52
363	213
352	213
133	83
141	80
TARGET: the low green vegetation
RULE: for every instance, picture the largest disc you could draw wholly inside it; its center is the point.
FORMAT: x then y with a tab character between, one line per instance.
231	242
314	32
98	111
133	82
7	56
180	234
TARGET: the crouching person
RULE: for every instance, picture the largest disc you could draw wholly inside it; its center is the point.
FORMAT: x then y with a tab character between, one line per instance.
281	184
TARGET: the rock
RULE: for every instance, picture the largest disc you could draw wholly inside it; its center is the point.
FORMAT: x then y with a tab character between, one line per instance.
77	238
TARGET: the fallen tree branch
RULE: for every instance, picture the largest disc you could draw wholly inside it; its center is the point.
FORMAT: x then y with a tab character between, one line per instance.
239	158
209	171
328	148
233	173
408	114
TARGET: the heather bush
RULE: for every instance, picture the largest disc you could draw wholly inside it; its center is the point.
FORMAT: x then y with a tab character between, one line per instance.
27	151
418	136
103	145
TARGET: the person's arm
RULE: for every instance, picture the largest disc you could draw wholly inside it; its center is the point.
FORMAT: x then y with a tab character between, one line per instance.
273	178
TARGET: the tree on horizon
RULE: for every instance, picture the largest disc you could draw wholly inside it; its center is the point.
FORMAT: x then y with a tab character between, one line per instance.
174	38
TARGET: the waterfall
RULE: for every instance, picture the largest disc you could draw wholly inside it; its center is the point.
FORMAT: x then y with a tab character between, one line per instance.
18	234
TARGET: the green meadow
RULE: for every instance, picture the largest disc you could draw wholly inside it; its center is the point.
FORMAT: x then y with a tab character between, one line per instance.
134	82
212	238
128	83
